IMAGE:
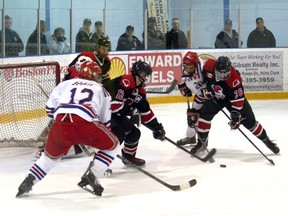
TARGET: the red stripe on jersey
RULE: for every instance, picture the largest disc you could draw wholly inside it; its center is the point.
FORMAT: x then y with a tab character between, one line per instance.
147	117
237	104
116	106
199	99
204	126
258	130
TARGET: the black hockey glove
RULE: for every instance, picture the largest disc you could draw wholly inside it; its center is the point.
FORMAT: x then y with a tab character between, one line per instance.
184	90
159	133
192	116
205	92
235	120
135	117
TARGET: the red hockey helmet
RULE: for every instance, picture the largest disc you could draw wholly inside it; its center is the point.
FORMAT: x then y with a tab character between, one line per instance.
90	71
190	58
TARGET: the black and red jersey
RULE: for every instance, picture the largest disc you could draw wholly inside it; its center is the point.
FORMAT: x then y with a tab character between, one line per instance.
226	91
126	96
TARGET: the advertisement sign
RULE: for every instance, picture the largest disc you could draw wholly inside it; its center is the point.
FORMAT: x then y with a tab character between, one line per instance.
260	71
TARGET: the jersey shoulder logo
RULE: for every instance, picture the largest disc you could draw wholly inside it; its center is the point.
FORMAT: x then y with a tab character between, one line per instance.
126	82
236	83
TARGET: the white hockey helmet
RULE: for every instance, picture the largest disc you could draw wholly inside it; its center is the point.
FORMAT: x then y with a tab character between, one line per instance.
80	61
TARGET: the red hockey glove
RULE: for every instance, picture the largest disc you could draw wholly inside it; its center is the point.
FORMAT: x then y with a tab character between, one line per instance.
235	120
192	116
184	90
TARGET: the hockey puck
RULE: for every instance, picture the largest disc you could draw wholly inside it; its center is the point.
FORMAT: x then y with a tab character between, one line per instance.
222	165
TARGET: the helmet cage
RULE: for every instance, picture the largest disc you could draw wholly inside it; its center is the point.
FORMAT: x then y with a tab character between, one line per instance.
223	68
142	70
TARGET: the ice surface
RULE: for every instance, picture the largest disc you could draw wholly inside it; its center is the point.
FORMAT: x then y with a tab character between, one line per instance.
249	185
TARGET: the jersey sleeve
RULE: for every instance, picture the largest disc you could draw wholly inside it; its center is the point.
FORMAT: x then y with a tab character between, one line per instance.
236	91
53	99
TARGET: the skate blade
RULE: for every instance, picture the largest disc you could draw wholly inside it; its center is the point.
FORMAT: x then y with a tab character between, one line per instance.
90	190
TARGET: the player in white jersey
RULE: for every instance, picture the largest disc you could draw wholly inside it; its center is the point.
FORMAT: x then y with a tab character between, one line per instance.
192	83
81	111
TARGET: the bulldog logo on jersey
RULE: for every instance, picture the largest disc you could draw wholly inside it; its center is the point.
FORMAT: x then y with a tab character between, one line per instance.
218	90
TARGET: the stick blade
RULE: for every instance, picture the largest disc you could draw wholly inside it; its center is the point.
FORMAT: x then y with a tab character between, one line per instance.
184	186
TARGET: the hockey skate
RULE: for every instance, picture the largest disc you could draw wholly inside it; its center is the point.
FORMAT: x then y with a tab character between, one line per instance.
186	141
129	158
201	146
26	185
272	146
90	183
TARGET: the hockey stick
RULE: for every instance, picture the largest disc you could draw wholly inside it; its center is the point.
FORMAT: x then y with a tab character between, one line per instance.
270	160
180	187
167	91
39	86
211	160
206	158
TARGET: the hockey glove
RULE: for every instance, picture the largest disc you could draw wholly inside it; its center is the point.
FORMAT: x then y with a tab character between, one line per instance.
205	92
192	117
235	120
184	90
159	133
135	117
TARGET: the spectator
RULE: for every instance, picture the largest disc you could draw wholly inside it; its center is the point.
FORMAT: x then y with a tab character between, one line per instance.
32	43
13	43
261	36
58	42
155	38
97	35
228	37
83	37
175	38
127	41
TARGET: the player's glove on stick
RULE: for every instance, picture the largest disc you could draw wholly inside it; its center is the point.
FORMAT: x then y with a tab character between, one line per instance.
235	120
192	116
159	132
135	117
184	90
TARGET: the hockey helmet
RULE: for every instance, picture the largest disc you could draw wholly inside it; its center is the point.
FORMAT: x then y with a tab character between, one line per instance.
104	41
142	70
190	62
223	68
190	58
80	61
91	71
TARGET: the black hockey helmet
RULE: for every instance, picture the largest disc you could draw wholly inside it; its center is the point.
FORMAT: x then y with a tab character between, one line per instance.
142	70
104	41
223	68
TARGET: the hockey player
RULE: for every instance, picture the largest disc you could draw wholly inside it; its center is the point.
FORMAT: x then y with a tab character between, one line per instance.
224	89
81	112
100	56
191	83
128	93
